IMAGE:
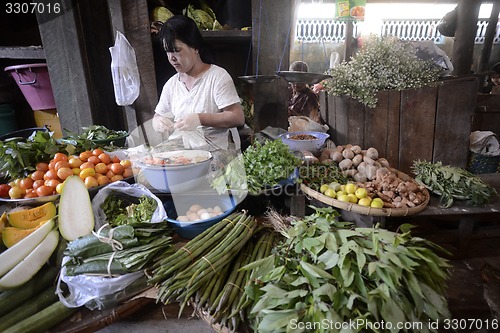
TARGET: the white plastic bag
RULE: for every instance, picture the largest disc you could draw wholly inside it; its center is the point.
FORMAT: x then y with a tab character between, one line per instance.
123	188
484	143
90	290
303	123
126	79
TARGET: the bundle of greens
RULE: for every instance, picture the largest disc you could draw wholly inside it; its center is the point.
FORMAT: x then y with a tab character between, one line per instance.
120	212
328	272
261	166
452	183
120	250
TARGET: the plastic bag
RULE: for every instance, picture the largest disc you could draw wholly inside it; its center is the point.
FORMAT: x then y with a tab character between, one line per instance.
428	51
91	290
126	190
126	79
302	123
484	143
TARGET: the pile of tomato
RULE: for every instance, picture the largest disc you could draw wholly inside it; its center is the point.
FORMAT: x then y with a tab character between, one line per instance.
94	167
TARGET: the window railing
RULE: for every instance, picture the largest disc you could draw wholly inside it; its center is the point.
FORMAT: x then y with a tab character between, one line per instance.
329	30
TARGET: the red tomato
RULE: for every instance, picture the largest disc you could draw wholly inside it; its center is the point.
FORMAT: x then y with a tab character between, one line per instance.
26	183
4	190
44	190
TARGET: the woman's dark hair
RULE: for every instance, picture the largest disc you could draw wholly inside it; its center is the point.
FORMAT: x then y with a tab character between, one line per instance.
183	28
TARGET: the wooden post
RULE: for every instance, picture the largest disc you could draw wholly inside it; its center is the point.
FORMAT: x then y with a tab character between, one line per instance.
488	41
465	33
79	61
271	50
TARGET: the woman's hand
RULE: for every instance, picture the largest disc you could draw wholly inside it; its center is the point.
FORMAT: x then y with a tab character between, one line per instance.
188	123
162	124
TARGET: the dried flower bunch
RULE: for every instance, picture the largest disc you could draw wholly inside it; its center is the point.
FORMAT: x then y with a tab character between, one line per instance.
384	63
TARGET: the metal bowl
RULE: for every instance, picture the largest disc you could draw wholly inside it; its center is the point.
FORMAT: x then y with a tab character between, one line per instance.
174	177
314	146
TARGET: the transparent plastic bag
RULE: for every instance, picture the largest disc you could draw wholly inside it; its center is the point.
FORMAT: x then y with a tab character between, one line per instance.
126	79
91	290
128	192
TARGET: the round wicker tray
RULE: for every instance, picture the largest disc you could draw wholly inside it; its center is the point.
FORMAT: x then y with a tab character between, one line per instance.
351	207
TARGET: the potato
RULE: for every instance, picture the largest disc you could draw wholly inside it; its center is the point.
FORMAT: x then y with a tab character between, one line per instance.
325	154
371	172
360	177
339	148
336	156
368	160
345	164
350	172
356	149
383	162
347	153
356	160
372	153
362	167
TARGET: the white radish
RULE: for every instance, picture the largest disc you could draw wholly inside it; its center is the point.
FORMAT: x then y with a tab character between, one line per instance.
15	254
26	269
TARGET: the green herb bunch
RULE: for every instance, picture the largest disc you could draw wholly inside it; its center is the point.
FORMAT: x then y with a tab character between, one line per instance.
119	212
261	166
328	272
453	183
19	157
384	63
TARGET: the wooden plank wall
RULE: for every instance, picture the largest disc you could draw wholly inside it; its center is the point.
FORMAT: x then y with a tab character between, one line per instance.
429	123
487	113
76	43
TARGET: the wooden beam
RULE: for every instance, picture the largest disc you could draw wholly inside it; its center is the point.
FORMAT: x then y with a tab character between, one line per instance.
60	39
489	36
463	47
271	52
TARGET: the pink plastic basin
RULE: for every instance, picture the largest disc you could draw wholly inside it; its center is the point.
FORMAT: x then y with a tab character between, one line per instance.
34	82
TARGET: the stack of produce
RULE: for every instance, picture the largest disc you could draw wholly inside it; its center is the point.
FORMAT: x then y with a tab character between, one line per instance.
327	273
353	175
120	250
95	167
205	271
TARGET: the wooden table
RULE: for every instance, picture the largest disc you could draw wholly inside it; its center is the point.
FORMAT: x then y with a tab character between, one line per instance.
466	215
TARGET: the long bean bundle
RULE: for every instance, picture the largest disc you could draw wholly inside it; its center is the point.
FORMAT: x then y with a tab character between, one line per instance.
190	276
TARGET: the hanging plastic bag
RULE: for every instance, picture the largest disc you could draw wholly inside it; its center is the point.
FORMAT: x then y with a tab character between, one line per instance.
126	79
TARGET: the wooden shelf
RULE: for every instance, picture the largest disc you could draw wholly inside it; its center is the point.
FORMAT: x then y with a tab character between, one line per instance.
22	52
227	35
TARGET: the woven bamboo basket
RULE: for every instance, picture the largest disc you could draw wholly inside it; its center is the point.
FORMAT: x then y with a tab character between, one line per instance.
363	210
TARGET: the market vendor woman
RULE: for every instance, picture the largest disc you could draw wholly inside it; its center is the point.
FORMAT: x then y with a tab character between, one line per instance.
199	105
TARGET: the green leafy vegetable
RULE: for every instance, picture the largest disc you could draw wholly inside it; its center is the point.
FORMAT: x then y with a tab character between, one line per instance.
18	158
328	272
452	183
119	212
265	165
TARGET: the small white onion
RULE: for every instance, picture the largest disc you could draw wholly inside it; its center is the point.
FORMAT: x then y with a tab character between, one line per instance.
205	216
